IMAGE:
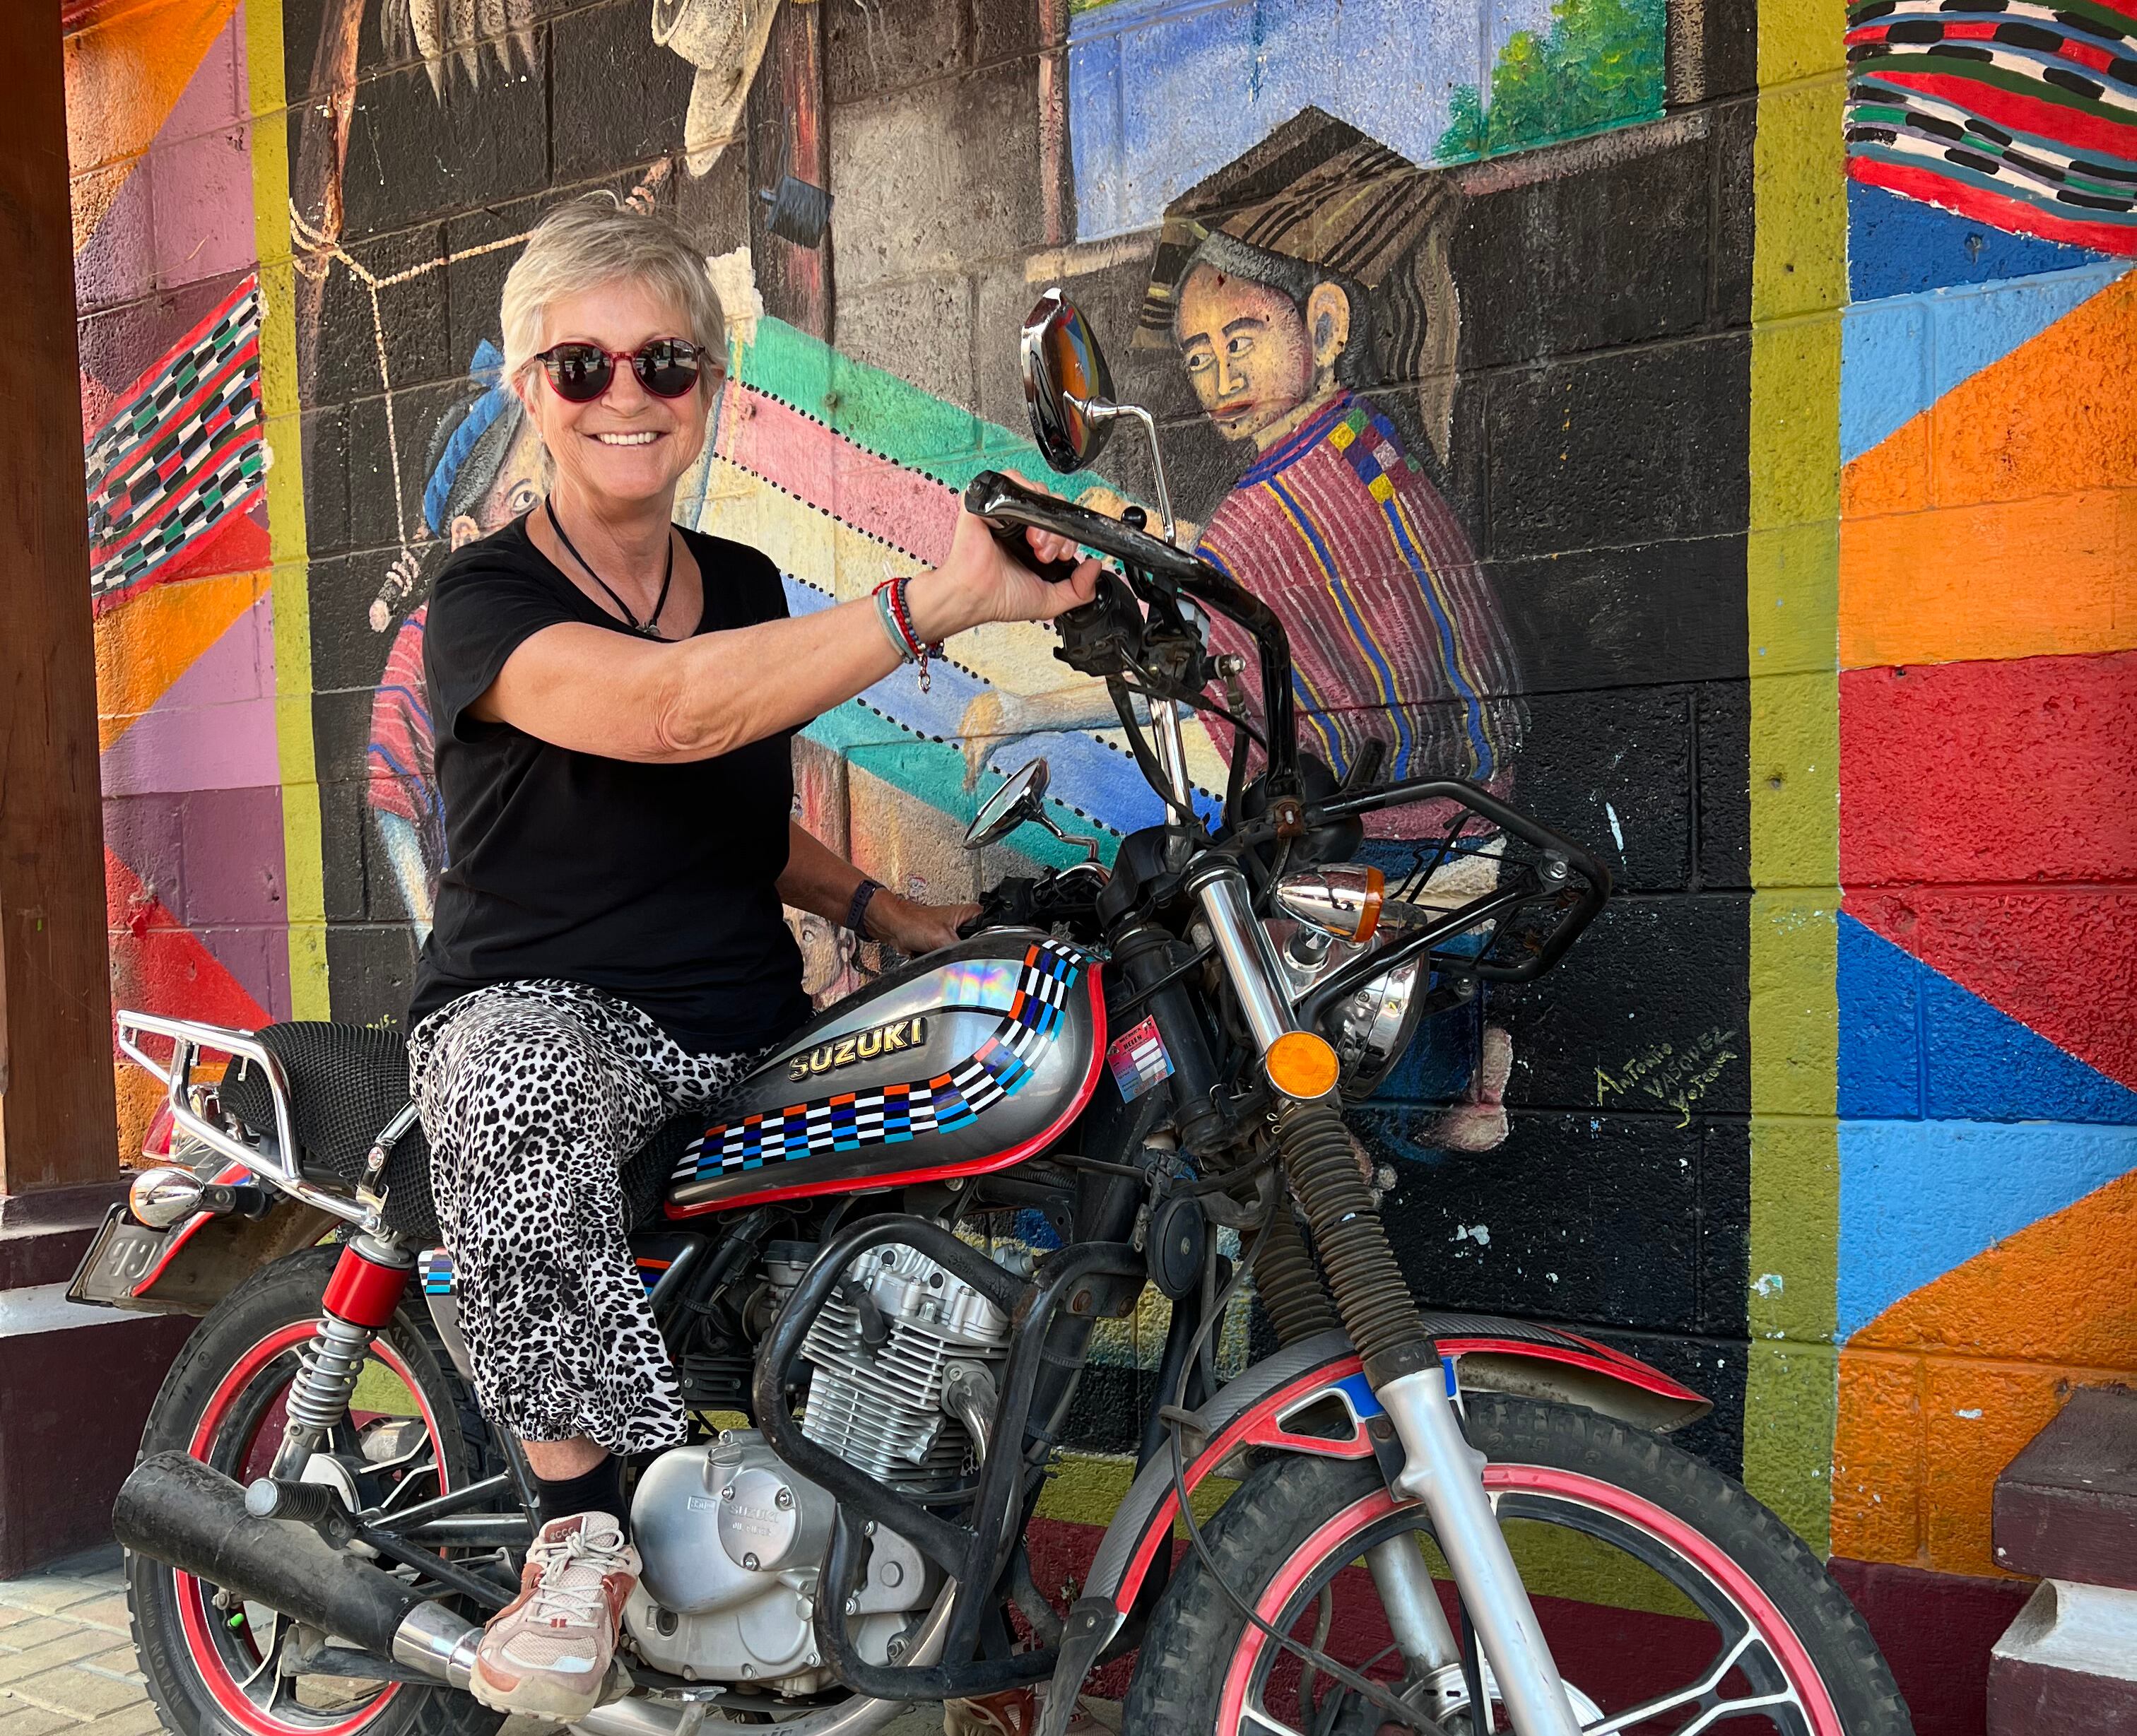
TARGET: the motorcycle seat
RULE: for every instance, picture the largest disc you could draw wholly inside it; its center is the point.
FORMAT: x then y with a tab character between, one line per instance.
348	1081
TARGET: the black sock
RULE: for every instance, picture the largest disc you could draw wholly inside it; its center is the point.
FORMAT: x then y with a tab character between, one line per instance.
598	1491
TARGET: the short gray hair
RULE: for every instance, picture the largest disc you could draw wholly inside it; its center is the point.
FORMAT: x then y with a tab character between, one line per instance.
597	240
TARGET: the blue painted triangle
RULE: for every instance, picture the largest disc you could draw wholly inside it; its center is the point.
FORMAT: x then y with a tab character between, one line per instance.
1898	357
1915	1045
1900	246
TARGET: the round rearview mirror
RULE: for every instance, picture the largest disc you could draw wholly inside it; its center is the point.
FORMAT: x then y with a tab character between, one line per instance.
1065	374
1022	797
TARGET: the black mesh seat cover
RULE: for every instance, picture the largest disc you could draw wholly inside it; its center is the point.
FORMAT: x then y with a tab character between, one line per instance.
348	1081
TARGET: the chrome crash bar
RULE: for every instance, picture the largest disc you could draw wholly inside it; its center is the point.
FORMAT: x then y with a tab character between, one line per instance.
276	1165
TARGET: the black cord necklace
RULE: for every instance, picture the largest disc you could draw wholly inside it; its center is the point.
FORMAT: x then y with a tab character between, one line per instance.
649	628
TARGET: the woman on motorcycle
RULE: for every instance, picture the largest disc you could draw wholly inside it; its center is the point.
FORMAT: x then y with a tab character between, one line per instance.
613	697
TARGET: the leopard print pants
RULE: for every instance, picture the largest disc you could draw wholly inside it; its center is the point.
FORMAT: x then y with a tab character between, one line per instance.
532	1095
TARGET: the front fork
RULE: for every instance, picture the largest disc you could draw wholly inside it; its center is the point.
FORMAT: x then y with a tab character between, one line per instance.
360	1299
1440	1467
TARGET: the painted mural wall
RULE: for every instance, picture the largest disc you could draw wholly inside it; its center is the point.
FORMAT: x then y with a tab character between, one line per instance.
1711	430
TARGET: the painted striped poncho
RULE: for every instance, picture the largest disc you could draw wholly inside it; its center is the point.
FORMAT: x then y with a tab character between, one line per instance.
1396	635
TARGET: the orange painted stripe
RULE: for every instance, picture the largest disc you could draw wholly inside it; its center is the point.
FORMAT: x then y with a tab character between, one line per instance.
1940	1392
2051	577
148	641
2015	497
124	74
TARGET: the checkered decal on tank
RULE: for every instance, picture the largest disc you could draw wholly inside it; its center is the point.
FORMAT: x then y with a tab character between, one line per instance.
891	1115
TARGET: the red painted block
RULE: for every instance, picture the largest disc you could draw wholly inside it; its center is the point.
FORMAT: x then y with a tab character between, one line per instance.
1990	773
2061	960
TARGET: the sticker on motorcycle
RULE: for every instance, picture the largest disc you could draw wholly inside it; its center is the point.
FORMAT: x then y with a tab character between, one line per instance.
1138	1060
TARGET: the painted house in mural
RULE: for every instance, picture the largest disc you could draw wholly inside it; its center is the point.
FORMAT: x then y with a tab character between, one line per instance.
1701	464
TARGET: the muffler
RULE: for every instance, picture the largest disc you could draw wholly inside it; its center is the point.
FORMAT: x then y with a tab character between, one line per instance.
178	1511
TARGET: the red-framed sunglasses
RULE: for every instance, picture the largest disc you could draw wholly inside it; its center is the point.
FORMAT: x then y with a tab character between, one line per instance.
667	368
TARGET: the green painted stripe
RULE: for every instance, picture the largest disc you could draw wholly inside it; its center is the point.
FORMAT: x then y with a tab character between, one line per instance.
1791	579
884	414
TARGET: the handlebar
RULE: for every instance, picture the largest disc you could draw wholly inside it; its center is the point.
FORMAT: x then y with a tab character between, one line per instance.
1006	503
1002	500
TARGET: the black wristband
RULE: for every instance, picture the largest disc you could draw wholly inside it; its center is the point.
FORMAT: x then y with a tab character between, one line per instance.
857	911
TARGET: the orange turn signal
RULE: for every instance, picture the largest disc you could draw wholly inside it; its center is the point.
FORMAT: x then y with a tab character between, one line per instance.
1302	1066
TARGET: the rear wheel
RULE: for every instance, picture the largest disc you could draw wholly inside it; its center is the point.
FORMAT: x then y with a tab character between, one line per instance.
216	1663
1672	1600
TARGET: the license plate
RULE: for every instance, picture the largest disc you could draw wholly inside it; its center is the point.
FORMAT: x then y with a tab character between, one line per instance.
122	1255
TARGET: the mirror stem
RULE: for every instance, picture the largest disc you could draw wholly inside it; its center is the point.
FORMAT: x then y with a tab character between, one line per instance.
1098	410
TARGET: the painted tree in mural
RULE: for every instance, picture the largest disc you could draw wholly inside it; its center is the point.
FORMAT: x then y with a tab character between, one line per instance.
1600	65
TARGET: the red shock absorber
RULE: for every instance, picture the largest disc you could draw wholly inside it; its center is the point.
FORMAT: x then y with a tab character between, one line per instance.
367	1282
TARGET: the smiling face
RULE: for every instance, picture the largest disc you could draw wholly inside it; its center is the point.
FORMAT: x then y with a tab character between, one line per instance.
627	446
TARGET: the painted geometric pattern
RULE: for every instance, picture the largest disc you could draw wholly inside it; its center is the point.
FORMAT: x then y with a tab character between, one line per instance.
182	452
894	1114
2022	114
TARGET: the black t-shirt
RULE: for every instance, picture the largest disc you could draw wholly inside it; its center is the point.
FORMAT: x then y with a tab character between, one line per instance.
655	883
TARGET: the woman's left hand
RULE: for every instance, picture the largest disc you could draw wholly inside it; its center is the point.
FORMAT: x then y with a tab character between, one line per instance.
912	928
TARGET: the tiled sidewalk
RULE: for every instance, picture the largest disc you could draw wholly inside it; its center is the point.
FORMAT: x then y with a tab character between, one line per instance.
66	1658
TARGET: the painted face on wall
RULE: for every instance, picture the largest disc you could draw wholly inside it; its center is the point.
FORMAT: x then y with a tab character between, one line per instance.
1257	362
518	486
1245	350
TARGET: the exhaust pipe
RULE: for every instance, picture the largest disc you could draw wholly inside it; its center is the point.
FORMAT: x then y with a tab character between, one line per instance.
176	1510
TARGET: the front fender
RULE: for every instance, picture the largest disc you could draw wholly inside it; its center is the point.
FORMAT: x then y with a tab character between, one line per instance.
1312	1398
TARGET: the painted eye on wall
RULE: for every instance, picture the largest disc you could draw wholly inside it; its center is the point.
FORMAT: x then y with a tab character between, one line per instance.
523	498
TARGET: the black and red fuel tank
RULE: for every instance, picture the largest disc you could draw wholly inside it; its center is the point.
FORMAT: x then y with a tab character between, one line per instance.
971	1059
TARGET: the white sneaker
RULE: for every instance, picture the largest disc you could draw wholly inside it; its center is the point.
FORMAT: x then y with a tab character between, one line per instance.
546	1653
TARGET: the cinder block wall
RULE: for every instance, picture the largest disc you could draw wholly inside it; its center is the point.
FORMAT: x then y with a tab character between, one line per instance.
1794	455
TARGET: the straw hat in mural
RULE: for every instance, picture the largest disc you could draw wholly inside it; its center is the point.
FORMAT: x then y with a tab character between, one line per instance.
1318	193
725	40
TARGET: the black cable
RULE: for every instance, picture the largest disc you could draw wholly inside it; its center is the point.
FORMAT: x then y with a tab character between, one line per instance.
1308	1655
1145	760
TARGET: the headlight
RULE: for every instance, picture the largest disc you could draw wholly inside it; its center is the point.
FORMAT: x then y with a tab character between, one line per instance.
1375	1026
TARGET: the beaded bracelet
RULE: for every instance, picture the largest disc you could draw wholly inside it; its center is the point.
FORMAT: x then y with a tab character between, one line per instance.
888	622
891	605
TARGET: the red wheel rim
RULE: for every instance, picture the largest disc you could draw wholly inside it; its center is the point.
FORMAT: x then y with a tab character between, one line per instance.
195	1613
1751	1601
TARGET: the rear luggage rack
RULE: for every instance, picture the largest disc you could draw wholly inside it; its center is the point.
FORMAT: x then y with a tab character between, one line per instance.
277	1164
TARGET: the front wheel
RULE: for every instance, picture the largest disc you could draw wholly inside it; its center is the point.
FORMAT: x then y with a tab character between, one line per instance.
1671	1601
217	1664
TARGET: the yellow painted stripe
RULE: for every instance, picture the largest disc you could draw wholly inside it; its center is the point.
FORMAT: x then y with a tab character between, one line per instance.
1798	290
303	870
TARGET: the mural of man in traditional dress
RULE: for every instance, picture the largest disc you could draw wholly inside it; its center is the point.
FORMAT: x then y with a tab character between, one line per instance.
1292	284
483	469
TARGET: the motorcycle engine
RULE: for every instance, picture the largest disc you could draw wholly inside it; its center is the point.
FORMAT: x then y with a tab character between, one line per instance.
733	1542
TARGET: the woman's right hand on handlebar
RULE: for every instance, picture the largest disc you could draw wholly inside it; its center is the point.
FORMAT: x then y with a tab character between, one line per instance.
982	581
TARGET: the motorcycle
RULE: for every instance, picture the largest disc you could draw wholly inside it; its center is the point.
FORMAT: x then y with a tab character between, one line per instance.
881	1270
